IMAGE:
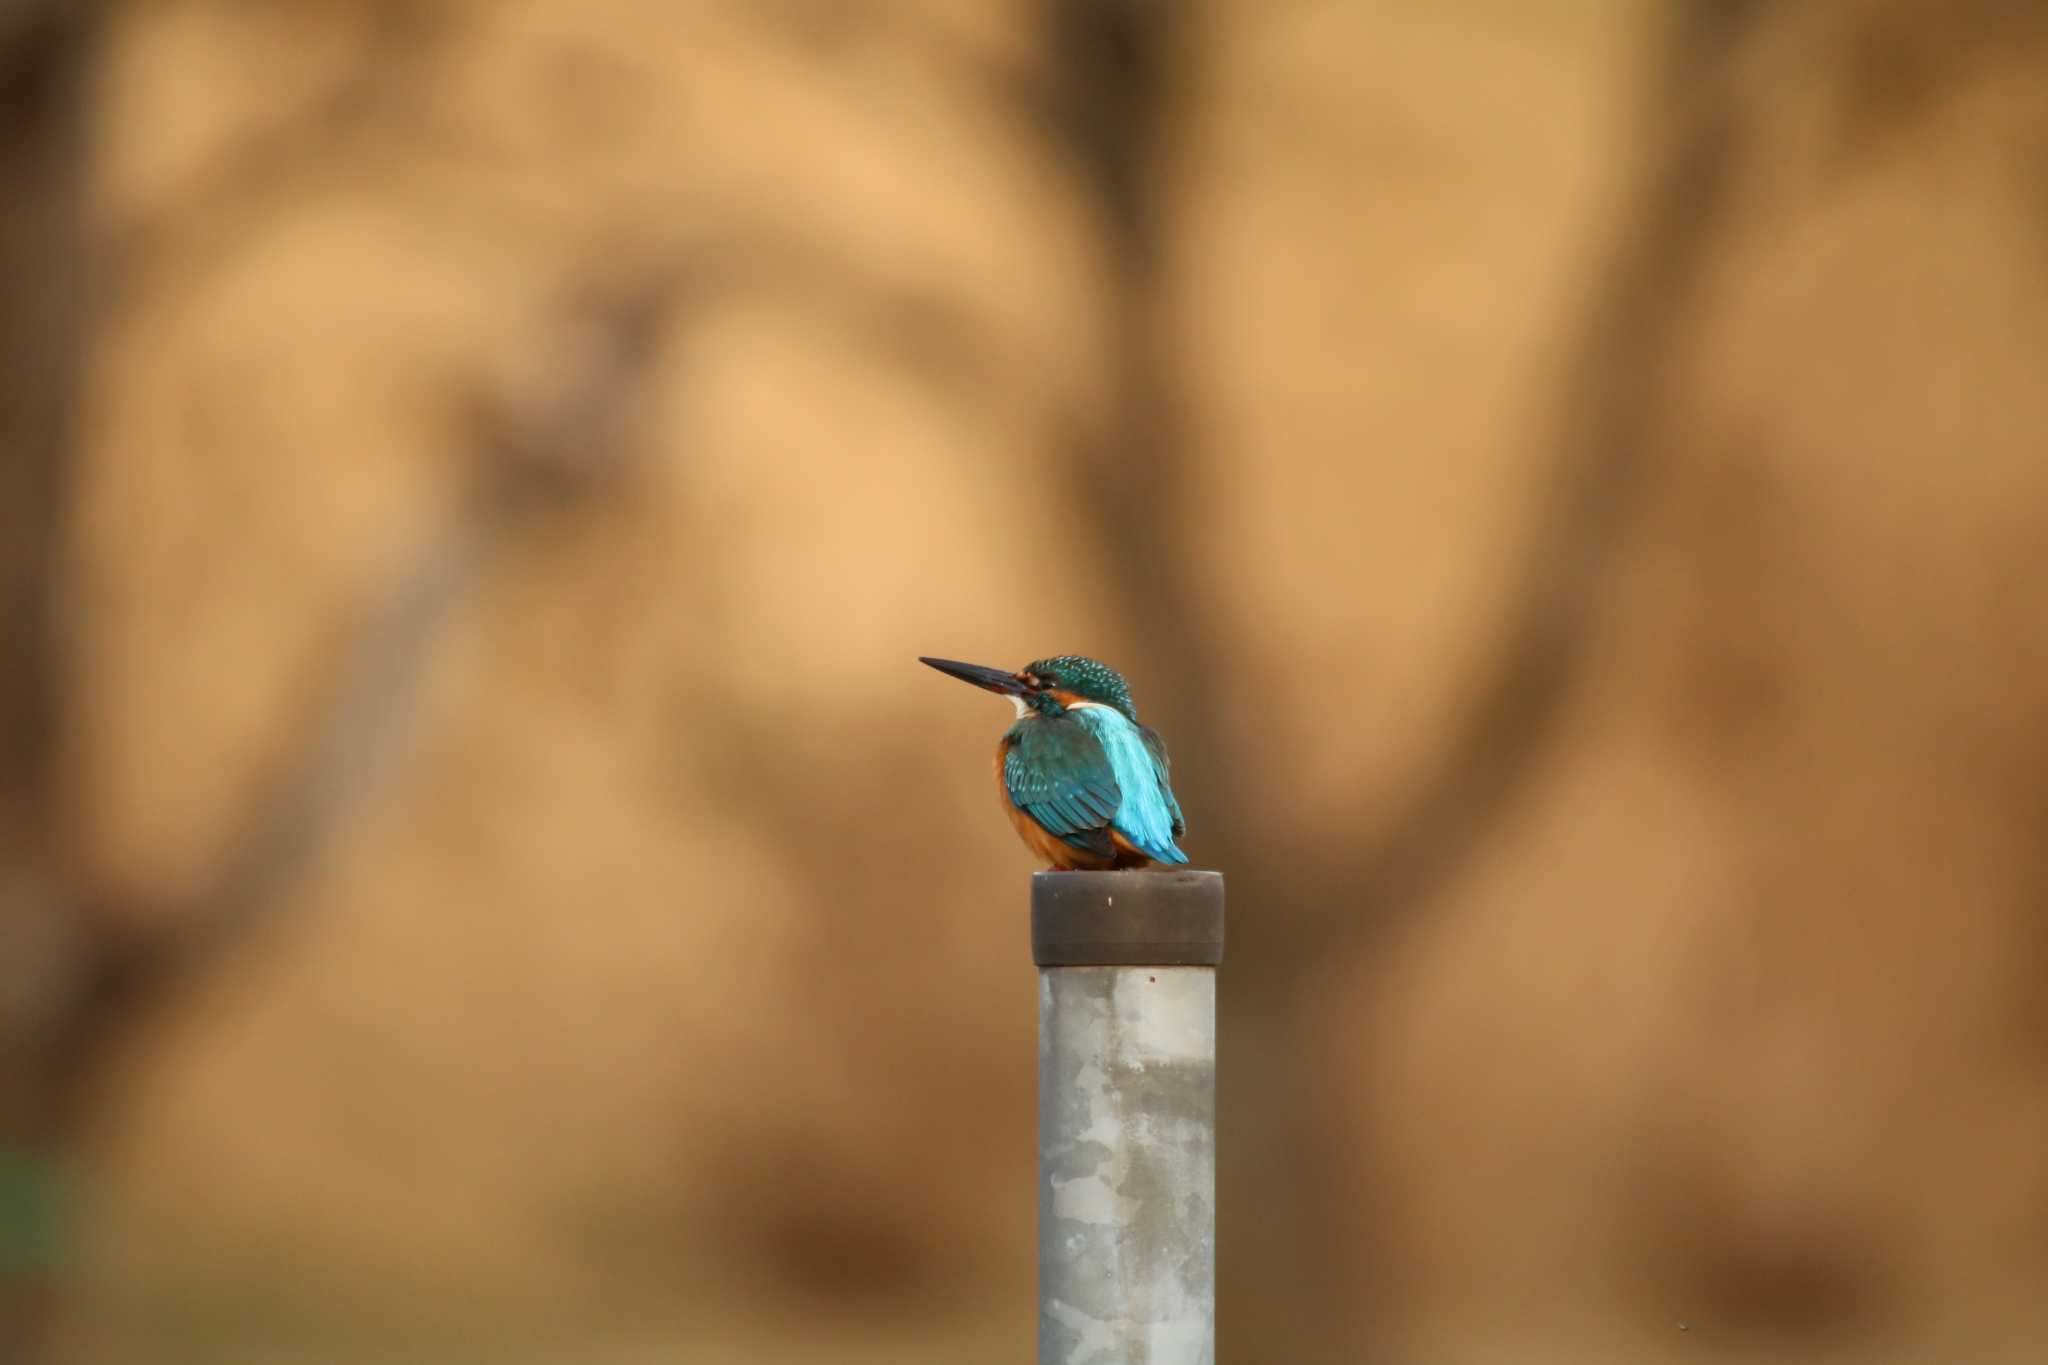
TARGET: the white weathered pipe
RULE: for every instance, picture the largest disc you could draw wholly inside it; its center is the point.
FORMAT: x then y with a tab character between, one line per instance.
1127	1116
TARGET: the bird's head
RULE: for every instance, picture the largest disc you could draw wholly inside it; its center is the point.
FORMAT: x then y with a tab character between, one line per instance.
1049	686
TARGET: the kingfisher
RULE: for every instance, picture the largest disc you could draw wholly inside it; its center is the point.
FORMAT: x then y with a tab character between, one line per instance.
1084	783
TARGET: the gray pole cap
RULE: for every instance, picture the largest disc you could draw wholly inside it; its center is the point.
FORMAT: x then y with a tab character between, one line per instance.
1127	919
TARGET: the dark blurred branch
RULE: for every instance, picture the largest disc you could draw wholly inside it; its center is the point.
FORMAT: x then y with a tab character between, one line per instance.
1612	388
1613	385
42	59
1114	67
78	978
538	456
44	51
1115	56
542	447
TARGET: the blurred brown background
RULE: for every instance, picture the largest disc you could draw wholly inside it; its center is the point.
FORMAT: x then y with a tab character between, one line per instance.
485	879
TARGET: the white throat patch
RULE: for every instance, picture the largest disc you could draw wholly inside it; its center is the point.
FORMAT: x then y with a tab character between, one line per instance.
1024	707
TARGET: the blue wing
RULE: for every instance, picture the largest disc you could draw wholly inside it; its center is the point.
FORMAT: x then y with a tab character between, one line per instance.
1147	815
1057	772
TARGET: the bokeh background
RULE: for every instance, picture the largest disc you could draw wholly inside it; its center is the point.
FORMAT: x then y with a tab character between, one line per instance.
482	877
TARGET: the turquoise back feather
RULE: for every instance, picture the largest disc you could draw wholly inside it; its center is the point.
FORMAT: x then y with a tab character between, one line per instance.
1148	814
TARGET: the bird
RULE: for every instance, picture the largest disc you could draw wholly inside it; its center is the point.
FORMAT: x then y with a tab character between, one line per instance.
1084	783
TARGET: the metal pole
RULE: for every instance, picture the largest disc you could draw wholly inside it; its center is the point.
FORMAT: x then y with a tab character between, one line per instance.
1127	1115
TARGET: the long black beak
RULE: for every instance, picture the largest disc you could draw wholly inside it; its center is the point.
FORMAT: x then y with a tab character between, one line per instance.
994	679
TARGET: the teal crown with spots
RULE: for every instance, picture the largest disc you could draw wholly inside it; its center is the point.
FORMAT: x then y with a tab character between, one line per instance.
1092	680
